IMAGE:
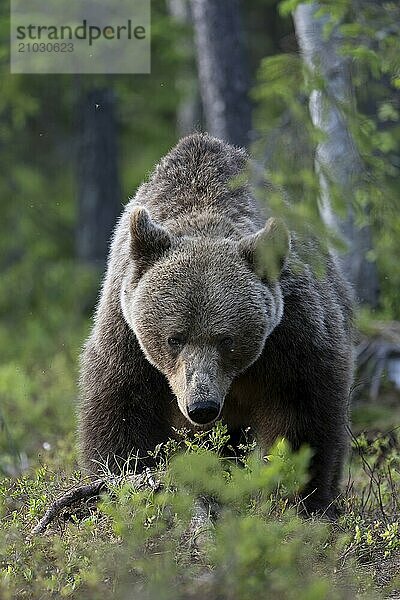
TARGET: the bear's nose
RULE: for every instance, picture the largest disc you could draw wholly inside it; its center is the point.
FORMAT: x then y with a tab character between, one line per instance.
203	412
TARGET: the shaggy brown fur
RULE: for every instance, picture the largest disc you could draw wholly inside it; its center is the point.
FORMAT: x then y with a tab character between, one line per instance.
202	314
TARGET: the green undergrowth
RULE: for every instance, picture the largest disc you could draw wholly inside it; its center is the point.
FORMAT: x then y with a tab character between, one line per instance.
143	544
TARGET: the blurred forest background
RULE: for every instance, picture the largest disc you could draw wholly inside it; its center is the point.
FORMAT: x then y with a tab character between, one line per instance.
313	92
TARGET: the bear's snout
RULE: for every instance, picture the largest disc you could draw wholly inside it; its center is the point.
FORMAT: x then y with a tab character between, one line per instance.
203	413
203	398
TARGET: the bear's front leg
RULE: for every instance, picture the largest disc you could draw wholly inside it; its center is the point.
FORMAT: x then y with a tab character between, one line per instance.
124	412
322	490
325	432
119	441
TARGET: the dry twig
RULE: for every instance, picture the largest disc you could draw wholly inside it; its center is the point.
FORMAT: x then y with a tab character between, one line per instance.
91	491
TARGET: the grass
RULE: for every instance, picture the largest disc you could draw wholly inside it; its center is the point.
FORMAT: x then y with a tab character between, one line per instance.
141	544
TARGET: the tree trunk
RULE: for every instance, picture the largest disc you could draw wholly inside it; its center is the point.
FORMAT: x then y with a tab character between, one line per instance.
223	72
188	114
337	160
99	193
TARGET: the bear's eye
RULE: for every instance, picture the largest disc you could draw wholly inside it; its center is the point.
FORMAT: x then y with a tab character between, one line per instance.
226	343
176	342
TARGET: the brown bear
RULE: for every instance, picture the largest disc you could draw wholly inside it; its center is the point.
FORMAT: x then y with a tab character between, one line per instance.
207	312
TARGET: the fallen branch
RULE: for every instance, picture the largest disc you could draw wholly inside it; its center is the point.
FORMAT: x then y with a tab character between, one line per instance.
91	491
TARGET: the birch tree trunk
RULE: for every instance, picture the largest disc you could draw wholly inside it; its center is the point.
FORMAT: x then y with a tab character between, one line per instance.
188	114
222	67
99	193
337	161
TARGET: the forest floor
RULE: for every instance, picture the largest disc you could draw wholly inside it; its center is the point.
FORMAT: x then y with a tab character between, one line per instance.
144	543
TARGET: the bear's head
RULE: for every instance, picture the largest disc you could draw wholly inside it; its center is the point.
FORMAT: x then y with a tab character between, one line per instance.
202	308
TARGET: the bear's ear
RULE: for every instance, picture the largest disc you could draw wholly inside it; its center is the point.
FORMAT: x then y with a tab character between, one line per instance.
267	249
148	240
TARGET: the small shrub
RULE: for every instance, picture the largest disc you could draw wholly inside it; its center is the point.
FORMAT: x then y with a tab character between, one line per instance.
142	545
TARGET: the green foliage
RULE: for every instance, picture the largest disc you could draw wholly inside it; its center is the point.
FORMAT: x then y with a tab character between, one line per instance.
370	39
143	544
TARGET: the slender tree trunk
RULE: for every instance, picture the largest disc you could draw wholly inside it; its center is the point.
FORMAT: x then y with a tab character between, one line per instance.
337	160
223	71
99	193
188	114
